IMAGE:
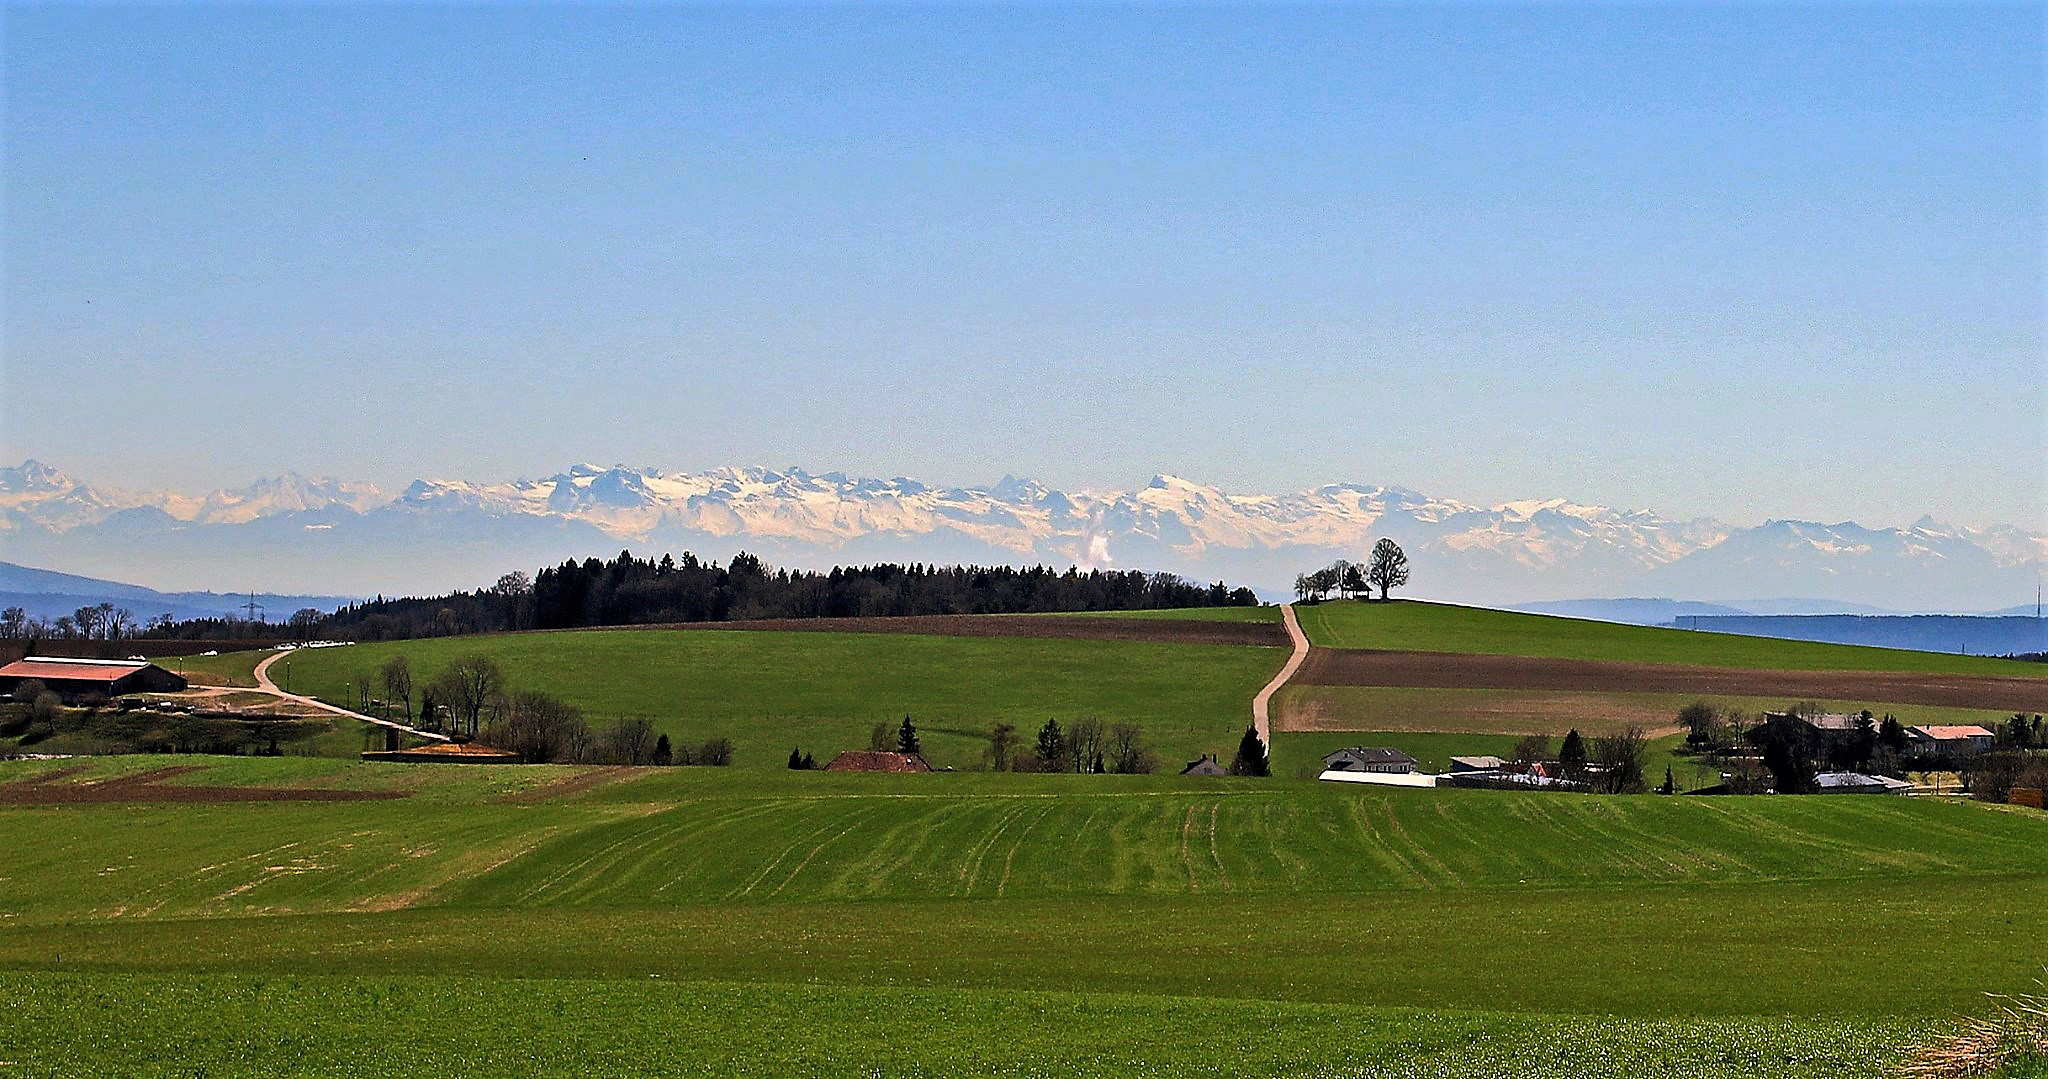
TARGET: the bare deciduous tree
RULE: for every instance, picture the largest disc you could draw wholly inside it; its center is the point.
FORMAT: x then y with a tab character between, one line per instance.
629	741
467	687
1084	744
1620	760
397	674
1389	567
1002	746
541	729
1127	752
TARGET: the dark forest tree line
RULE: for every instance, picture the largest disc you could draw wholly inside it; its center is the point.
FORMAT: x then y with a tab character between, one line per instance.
633	591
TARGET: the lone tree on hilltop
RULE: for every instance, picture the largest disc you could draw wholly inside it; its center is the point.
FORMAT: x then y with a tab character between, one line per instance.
1251	756
1389	567
906	738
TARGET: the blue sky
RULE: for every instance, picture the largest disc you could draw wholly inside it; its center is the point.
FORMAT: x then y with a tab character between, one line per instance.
1741	261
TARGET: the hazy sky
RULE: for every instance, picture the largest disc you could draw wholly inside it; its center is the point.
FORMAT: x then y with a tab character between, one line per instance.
1741	261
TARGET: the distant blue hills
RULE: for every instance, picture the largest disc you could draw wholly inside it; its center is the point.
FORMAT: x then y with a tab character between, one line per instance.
47	594
2008	631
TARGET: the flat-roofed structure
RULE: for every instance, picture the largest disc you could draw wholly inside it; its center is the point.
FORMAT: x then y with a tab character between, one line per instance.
75	679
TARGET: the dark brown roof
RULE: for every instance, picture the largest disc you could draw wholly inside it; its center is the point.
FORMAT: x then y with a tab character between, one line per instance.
875	760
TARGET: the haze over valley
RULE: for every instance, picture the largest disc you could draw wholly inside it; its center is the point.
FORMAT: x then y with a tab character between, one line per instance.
335	537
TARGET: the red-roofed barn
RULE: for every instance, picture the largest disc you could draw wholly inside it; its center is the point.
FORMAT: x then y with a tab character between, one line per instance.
73	679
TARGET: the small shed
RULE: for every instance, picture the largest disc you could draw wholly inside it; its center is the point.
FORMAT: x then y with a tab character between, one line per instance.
1369	759
1206	766
73	679
877	760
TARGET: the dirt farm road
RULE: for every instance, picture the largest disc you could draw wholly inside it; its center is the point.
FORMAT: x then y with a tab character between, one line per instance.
1262	704
265	685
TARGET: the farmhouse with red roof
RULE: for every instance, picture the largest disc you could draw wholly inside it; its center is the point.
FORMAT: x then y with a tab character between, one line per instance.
73	679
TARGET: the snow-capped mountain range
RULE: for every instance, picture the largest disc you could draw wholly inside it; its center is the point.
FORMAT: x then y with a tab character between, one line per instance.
323	535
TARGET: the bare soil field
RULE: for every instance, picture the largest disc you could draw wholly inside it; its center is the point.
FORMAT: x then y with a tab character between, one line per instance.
1448	670
1062	627
52	789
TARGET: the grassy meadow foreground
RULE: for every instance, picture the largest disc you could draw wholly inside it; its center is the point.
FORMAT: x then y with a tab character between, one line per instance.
323	916
713	921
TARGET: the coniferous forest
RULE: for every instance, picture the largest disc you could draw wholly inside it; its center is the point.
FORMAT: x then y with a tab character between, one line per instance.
627	591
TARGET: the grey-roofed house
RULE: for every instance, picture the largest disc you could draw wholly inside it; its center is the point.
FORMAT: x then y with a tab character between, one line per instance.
1369	759
1206	766
1858	783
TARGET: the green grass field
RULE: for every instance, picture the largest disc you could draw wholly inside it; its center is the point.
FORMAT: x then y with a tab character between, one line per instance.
788	909
226	669
769	692
1436	627
757	921
754	922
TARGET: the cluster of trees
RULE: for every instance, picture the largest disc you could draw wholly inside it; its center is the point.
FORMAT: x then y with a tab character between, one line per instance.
634	591
472	698
1783	753
1085	745
99	622
1387	568
1610	763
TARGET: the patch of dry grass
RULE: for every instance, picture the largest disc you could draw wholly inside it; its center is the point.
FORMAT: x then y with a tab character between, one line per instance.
2012	1042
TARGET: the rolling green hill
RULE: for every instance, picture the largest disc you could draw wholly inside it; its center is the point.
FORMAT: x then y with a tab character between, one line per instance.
1434	627
771	691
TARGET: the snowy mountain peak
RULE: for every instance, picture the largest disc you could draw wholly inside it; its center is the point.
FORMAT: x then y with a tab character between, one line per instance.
1516	551
33	475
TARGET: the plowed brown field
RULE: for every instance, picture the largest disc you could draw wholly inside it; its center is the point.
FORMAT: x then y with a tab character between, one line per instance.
52	789
1453	670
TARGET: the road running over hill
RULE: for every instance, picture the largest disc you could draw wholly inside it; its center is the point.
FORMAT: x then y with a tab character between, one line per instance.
265	685
1261	704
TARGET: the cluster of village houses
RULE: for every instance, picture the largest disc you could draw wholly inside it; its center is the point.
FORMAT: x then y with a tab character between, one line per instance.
1389	767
